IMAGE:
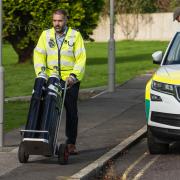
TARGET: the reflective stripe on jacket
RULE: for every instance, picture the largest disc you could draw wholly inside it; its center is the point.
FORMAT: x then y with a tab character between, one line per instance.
72	54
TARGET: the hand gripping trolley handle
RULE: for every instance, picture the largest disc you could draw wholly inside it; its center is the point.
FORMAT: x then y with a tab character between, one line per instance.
44	119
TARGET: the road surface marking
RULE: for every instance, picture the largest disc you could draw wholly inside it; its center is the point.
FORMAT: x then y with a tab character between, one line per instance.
138	176
128	170
99	94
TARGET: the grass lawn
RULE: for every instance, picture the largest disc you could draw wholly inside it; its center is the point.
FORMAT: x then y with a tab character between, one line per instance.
132	58
15	115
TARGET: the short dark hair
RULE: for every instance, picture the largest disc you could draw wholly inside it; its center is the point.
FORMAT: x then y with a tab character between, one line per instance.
60	11
176	13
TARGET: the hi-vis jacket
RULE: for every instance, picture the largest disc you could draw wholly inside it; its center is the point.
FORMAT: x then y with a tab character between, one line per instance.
70	58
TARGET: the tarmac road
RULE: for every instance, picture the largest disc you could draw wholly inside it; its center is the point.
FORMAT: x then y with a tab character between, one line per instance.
137	164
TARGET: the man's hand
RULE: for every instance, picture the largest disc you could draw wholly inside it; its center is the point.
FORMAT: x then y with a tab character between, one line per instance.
70	81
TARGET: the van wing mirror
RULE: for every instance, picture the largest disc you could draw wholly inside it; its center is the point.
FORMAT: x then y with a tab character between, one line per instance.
157	57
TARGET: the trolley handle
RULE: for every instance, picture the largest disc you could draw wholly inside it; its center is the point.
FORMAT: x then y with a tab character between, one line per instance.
32	131
60	116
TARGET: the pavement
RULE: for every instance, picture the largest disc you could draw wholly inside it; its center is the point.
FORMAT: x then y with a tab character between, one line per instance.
106	120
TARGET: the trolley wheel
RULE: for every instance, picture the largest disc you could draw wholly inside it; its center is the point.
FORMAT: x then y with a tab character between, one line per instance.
63	154
23	156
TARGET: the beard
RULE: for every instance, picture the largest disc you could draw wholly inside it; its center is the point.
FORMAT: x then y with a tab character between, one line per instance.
59	29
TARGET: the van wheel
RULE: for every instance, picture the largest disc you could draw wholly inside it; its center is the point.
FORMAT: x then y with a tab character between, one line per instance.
156	147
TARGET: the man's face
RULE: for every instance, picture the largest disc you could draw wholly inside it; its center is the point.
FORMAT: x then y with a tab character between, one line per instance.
59	22
178	19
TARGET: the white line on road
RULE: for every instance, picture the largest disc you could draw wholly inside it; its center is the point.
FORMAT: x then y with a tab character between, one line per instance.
15	150
99	94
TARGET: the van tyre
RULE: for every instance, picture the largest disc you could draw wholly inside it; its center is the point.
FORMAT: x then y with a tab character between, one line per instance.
23	156
154	146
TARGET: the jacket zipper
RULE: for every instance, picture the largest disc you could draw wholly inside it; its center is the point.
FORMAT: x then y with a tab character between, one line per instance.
59	54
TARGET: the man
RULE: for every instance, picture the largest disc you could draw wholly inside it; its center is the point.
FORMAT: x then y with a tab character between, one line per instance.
62	48
176	14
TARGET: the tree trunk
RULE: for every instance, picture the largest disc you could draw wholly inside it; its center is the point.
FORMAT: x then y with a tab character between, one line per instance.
25	54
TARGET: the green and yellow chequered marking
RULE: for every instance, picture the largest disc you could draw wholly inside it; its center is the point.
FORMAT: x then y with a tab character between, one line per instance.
147	99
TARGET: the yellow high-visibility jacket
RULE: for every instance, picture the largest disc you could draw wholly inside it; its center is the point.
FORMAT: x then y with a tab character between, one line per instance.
71	56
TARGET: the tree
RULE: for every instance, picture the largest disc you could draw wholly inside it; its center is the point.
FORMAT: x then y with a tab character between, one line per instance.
128	13
24	20
163	5
167	5
131	6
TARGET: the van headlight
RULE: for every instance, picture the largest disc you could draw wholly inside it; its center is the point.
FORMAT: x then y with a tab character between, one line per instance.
163	87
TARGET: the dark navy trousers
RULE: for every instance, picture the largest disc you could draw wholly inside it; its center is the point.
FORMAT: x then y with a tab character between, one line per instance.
71	113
